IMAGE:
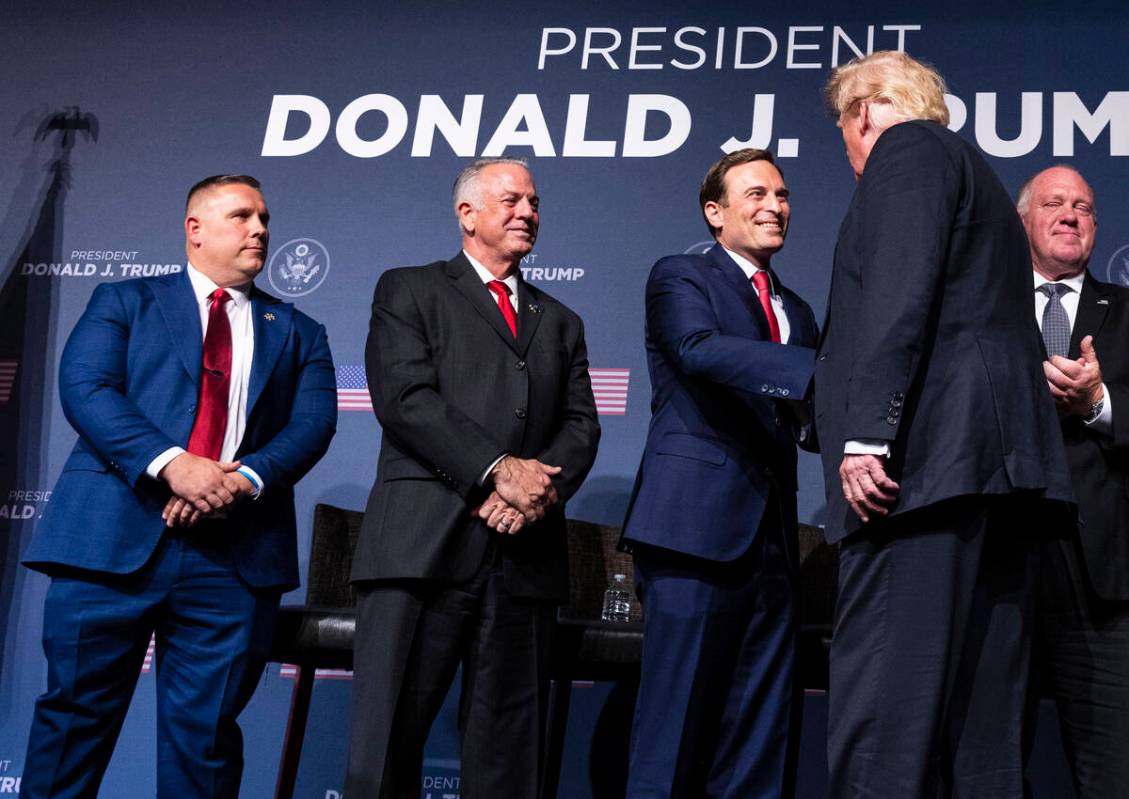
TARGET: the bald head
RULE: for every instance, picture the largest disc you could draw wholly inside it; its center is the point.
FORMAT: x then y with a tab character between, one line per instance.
1057	208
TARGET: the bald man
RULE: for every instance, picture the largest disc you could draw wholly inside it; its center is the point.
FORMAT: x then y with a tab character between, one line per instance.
1083	620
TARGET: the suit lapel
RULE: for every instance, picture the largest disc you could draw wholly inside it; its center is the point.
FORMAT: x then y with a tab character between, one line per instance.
466	280
178	306
1093	305
740	284
529	313
270	319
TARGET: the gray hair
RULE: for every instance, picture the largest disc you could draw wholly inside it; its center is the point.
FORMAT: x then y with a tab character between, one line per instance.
467	187
1023	201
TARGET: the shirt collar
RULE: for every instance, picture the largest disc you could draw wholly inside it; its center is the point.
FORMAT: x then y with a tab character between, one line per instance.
749	268
203	286
1073	282
485	276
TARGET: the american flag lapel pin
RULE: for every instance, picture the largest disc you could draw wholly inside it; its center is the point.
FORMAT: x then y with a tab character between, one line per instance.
268	316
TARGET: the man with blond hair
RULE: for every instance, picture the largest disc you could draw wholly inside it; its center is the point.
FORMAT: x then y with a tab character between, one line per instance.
942	454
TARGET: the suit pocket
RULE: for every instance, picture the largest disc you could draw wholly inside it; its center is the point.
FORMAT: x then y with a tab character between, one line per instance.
685	445
405	469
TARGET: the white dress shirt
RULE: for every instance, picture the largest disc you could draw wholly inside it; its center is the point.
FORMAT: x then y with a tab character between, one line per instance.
242	354
1103	423
749	268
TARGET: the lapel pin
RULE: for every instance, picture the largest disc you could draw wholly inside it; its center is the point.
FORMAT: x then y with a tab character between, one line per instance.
269	317
534	307
1103	302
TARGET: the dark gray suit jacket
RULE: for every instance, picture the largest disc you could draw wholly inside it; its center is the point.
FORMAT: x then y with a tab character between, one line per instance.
453	389
925	345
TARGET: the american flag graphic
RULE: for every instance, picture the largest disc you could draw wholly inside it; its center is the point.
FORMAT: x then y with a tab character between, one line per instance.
148	664
7	379
610	388
352	389
290	672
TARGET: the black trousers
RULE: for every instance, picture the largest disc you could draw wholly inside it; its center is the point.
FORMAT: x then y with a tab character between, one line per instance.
411	638
1082	662
931	651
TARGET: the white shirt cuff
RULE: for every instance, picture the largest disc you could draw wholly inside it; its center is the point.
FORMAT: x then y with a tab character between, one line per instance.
486	474
162	460
253	476
867	446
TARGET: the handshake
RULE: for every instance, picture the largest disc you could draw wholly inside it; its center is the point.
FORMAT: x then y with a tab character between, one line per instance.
200	488
522	493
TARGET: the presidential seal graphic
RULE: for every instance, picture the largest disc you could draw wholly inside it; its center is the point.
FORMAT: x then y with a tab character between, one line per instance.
298	267
1119	267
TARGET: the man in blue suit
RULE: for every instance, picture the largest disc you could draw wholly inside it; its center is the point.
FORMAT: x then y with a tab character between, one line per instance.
199	402
712	522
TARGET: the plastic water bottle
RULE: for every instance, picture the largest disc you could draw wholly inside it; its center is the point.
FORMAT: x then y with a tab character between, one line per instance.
617	600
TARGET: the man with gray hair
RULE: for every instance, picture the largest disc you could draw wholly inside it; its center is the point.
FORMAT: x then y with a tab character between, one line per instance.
480	382
942	455
1082	636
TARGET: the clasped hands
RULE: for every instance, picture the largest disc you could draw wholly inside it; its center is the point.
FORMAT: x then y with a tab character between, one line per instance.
201	487
522	493
1075	385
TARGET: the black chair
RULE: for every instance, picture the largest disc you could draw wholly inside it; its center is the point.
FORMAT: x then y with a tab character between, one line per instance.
587	648
319	634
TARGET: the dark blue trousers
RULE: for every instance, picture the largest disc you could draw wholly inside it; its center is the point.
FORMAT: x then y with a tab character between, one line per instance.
717	713
931	651
213	633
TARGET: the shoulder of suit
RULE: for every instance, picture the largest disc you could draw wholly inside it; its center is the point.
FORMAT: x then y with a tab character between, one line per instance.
416	274
1114	289
681	263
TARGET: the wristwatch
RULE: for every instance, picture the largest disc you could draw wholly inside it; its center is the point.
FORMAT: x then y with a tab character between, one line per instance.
1095	411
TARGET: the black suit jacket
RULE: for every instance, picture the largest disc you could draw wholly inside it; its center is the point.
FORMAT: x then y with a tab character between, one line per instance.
453	389
1099	464
923	345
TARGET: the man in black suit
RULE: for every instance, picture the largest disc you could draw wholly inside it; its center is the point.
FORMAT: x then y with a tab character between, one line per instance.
941	451
480	382
1083	632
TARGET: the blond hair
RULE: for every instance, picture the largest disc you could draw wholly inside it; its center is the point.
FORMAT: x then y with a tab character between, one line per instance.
897	87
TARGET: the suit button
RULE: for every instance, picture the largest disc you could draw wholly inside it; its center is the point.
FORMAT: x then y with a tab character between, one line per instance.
519	413
822	358
891	419
899	395
784	392
897	403
519	365
765	389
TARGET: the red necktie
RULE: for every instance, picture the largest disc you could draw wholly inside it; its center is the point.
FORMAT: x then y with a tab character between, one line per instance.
760	281
215	377
507	309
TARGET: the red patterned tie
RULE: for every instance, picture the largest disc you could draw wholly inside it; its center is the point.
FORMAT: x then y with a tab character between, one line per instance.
760	281
504	305
215	377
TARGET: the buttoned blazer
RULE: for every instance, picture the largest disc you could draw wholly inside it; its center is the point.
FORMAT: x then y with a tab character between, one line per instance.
924	345
1099	464
453	389
719	438
128	382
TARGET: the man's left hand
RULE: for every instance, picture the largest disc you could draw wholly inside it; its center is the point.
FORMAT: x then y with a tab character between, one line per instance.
1075	385
866	486
180	512
499	515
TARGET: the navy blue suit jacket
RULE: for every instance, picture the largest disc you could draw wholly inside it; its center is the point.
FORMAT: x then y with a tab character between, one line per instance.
926	343
128	381
719	439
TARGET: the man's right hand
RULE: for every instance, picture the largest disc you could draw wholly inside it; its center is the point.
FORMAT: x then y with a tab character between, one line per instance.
524	484
204	483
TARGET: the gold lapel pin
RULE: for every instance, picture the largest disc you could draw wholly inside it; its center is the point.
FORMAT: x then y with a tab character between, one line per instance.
269	317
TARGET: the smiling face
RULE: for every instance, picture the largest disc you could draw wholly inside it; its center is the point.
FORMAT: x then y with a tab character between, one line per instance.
1060	222
226	233
751	219
500	220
